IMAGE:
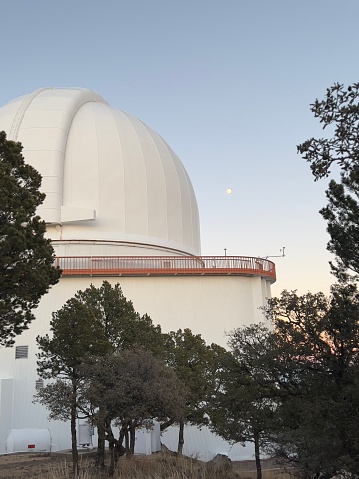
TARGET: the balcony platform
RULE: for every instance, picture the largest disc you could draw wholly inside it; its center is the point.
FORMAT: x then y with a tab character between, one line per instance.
166	266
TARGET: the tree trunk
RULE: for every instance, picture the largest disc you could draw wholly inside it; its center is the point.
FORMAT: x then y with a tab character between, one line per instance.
257	456
75	454
111	447
180	437
100	457
127	443
132	440
120	450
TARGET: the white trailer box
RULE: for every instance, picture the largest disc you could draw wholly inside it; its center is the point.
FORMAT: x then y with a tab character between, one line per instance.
148	440
84	435
28	440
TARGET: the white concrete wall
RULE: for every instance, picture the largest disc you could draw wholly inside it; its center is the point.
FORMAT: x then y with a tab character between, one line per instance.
210	306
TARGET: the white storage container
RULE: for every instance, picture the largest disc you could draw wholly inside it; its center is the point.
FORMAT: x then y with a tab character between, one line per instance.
28	440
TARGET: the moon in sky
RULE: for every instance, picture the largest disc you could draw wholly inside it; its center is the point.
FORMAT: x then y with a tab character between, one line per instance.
229	191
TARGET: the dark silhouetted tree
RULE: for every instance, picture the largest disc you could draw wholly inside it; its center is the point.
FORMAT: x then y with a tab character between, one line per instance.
338	113
243	406
317	341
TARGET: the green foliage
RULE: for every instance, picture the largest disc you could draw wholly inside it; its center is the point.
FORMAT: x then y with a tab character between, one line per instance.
26	257
243	406
97	323
339	112
57	397
318	337
192	360
122	326
294	391
195	364
94	323
76	334
131	387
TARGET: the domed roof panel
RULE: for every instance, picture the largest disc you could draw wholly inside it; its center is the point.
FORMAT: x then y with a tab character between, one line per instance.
161	187
81	181
155	175
95	158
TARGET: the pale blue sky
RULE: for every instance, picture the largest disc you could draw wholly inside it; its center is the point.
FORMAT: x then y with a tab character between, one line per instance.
226	83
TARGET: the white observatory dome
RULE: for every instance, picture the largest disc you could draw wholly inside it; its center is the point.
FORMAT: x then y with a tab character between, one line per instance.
110	180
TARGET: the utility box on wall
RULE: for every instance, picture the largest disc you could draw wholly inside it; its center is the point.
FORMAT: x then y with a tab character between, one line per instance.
84	435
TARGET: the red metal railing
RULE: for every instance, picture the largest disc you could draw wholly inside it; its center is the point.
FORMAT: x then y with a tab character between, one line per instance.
166	265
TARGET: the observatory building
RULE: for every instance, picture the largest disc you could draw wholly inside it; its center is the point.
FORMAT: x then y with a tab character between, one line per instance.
119	206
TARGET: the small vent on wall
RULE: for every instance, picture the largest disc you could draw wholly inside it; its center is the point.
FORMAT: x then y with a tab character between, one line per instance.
21	352
39	384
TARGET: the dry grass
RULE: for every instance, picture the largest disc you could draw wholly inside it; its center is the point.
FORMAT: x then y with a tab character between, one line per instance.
169	467
156	466
166	466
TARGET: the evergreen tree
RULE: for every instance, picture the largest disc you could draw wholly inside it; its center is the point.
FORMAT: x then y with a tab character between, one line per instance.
243	405
96	323
194	364
129	389
76	335
338	112
317	349
26	257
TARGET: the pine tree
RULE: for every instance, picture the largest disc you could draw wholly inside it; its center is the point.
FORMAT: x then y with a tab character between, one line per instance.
26	256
